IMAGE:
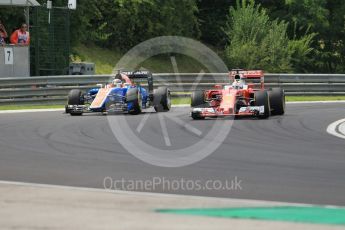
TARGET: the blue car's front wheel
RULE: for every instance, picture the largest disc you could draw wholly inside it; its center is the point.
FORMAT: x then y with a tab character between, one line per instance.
134	99
75	98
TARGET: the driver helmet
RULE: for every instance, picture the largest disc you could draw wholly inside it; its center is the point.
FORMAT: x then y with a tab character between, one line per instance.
238	83
117	83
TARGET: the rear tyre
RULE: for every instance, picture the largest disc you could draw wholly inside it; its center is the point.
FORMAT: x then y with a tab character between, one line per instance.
262	99
75	97
277	101
162	99
133	95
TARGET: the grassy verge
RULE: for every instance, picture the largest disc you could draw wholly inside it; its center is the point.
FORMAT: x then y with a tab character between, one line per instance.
178	101
105	61
21	107
315	98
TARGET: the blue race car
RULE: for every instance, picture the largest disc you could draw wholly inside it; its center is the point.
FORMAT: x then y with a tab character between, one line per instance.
123	94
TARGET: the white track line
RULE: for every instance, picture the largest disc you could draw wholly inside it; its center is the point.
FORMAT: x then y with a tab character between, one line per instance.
337	128
31	110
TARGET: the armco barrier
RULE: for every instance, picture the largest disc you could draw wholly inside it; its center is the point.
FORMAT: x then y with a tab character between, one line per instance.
53	89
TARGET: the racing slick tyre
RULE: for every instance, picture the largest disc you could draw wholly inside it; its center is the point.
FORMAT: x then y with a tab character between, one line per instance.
133	95
198	99
277	101
162	99
75	97
262	99
197	116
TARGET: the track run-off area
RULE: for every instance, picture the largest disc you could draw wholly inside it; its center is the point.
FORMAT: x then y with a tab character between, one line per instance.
298	157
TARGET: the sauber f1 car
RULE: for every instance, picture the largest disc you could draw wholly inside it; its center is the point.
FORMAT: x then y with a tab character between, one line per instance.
124	94
246	96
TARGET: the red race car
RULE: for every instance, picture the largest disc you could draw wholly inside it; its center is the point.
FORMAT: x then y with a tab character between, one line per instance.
246	96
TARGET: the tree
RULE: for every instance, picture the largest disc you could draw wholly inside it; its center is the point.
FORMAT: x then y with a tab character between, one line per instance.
306	15
331	49
212	17
122	24
255	41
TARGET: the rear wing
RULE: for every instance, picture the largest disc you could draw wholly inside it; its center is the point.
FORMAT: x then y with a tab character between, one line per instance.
137	74
139	77
248	74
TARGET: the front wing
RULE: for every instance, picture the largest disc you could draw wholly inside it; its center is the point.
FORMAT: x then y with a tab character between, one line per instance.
114	108
243	111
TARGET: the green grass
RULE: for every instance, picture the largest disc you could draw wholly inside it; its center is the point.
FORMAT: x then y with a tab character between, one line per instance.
315	98
21	107
180	101
106	59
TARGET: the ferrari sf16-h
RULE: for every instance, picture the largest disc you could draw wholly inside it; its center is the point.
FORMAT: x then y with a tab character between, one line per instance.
246	96
124	94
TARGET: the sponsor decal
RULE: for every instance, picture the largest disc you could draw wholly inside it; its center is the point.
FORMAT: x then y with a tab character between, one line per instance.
252	109
100	98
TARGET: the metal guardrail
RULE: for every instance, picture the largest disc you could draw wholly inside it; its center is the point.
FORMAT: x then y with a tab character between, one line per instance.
53	89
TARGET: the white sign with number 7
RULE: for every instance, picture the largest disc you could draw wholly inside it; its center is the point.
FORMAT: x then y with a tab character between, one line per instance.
8	56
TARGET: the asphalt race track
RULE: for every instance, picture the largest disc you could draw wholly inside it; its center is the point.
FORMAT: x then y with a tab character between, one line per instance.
290	158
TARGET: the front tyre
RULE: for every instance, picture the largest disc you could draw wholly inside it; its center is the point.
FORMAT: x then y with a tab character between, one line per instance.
133	96
198	99
262	99
75	97
197	116
162	99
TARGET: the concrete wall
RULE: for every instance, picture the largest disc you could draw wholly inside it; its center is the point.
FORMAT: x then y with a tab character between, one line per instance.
18	61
